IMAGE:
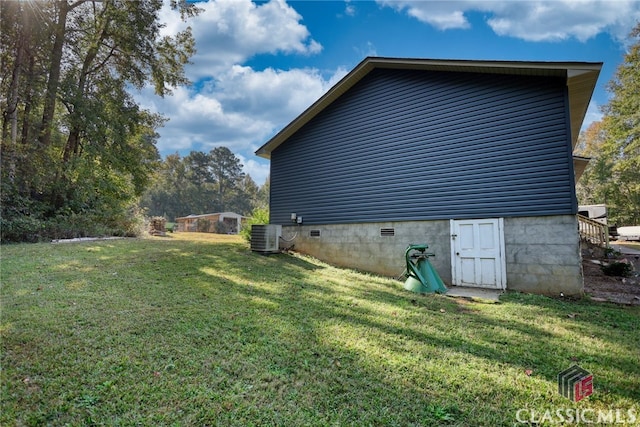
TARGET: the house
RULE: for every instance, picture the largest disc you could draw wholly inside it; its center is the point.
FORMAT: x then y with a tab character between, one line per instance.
473	158
221	222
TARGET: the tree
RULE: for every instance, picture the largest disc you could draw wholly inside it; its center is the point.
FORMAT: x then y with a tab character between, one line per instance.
62	9
594	184
198	165
613	174
263	193
25	44
85	147
622	128
201	183
247	195
227	173
169	191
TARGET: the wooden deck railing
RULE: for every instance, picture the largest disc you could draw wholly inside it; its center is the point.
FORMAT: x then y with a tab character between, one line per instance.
593	231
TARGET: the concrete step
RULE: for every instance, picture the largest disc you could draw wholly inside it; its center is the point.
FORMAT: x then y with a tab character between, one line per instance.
482	294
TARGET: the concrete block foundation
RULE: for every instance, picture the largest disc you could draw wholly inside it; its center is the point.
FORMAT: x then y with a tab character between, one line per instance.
542	254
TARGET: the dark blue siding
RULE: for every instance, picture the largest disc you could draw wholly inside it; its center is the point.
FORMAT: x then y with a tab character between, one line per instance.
419	145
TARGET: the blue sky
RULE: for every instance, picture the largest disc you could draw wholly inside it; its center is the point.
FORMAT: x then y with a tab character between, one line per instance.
260	64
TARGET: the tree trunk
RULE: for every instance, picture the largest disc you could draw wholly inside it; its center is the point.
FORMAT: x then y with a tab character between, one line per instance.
54	73
11	113
73	141
28	101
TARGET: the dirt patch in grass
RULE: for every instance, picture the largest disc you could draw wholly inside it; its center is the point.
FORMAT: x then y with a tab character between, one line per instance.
620	290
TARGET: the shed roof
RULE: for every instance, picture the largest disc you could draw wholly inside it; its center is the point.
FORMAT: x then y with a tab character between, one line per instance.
581	80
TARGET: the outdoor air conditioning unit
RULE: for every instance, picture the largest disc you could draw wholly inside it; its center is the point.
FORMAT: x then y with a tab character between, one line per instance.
265	238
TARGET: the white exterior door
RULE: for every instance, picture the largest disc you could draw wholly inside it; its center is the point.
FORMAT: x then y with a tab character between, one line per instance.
477	251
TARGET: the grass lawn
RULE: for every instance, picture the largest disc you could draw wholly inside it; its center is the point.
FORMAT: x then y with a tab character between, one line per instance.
195	329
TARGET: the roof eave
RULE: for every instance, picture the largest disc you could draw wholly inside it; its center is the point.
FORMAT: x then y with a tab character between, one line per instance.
580	85
580	163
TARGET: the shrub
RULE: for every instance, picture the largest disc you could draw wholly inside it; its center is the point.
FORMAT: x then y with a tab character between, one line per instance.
21	217
258	216
611	253
20	229
617	268
28	225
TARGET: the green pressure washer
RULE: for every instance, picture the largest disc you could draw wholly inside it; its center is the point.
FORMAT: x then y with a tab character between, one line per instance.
422	277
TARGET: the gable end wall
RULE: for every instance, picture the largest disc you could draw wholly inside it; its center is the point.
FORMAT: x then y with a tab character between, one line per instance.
405	145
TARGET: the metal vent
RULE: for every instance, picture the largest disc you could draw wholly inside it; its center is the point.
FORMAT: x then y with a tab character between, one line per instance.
387	232
314	233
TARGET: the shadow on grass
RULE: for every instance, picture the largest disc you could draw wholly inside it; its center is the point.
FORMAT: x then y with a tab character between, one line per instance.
213	333
494	339
497	340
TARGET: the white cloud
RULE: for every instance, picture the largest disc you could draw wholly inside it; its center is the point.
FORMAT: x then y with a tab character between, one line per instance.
368	49
440	14
349	9
233	105
229	32
439	18
274	95
548	20
258	168
201	122
241	110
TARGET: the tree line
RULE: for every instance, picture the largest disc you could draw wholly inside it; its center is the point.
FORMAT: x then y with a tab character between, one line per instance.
203	183
613	144
76	150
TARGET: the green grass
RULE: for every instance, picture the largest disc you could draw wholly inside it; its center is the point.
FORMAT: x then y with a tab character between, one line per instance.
631	245
195	329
